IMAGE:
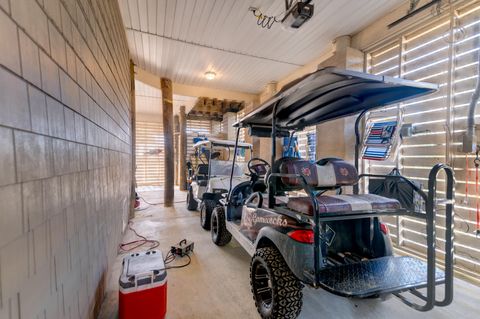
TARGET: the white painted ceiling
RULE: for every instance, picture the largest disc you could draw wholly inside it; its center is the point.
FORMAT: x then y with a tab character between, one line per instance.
182	39
148	100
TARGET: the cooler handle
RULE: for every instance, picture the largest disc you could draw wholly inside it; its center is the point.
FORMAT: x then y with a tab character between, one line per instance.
147	274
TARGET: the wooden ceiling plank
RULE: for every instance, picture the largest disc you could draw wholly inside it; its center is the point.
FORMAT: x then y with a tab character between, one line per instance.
169	18
207	9
139	47
143	15
152	41
187	19
134	15
158	55
146	50
152	7
179	18
161	12
236	18
125	11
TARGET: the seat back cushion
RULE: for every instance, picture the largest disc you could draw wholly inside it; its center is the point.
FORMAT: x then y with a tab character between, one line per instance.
334	173
202	169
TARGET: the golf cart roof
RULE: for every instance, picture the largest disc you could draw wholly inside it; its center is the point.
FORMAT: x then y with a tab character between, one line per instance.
331	93
218	142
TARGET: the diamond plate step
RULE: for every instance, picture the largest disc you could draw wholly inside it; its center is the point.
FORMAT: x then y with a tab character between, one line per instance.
377	276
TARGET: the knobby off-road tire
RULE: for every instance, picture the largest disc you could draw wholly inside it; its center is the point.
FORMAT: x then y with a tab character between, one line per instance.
206	209
276	291
191	202
220	234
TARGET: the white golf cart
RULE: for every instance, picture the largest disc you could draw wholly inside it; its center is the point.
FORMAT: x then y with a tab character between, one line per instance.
210	178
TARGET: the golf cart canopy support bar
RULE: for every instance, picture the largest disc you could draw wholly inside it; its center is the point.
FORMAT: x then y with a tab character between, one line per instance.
331	93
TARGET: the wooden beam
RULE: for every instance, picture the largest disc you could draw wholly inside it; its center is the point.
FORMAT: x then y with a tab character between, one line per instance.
132	132
183	149
176	121
167	99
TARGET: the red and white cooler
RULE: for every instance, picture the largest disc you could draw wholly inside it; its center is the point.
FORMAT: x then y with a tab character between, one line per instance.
143	286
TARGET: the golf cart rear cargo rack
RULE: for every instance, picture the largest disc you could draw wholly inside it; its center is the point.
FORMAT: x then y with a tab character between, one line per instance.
332	93
388	274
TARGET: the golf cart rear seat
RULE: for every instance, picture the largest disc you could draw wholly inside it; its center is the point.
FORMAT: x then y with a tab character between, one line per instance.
342	203
324	175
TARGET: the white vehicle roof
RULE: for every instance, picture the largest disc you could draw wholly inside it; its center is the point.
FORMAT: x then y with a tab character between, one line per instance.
221	143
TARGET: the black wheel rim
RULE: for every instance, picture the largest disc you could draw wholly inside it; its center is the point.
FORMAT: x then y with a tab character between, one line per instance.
262	287
214	225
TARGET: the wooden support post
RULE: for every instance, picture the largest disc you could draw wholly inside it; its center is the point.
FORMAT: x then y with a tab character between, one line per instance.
176	120
132	133
183	149
169	167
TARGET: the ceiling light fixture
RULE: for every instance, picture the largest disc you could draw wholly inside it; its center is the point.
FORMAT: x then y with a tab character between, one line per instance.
210	75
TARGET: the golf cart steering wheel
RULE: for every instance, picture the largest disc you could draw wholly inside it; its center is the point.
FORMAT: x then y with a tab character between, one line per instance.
252	167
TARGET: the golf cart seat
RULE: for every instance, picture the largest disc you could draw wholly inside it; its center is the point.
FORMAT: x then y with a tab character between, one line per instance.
324	175
328	173
201	174
343	203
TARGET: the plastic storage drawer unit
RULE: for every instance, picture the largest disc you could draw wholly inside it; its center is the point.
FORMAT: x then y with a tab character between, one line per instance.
143	286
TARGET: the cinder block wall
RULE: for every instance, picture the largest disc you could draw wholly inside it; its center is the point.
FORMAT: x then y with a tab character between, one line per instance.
64	153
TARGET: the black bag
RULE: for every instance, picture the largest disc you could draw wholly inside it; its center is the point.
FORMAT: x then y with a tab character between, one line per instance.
397	188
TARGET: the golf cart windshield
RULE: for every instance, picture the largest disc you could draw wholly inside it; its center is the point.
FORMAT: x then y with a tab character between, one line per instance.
224	168
222	160
218	154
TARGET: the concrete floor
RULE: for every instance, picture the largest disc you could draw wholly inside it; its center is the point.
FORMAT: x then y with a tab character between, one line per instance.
216	284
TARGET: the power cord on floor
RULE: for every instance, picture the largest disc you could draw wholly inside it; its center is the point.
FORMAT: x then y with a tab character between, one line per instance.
125	247
170	257
159	203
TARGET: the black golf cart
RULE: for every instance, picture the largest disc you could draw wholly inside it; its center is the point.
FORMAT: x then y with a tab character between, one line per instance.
326	238
210	178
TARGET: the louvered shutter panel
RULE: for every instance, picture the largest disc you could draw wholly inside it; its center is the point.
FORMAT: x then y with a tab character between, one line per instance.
149	154
428	54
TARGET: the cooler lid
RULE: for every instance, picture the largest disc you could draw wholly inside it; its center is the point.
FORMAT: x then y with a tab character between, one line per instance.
142	268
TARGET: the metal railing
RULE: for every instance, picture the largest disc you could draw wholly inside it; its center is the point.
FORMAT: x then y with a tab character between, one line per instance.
430	216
